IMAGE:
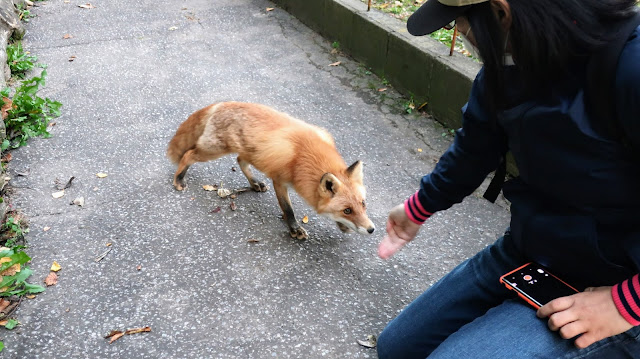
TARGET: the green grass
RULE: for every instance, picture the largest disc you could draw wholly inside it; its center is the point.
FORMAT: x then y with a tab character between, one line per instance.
402	9
18	60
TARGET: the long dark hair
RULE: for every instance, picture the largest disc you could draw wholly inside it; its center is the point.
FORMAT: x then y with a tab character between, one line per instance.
547	37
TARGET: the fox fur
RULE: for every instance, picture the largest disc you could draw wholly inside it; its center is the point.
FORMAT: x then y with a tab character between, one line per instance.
289	151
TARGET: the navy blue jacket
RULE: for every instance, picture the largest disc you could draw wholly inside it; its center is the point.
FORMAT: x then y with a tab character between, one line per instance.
575	206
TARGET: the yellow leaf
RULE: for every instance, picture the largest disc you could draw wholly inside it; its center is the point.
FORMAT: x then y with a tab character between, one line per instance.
5	260
419	149
58	194
101	175
55	266
31	296
305	219
109	244
208	187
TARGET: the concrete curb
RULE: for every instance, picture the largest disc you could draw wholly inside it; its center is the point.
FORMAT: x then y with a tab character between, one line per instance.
415	66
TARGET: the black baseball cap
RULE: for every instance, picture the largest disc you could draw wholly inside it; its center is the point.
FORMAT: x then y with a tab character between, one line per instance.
435	14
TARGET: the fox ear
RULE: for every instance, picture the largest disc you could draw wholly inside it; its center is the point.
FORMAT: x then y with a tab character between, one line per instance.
355	171
329	185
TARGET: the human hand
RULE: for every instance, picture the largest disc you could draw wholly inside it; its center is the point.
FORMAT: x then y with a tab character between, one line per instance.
400	231
591	314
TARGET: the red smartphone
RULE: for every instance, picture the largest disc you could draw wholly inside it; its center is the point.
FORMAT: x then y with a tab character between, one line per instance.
536	285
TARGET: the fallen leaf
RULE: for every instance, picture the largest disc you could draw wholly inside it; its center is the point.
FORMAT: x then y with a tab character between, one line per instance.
335	63
72	57
4	304
223	192
4	322
139	267
104	254
11	270
101	175
46	229
382	89
172	28
117	334
78	201
253	240
31	296
208	187
8	104
419	149
112	333
233	206
233	196
95	189
87	6
216	210
115	337
52	279
233	169
11	324
371	341
61	186
5	259
138	330
270	9
58	194
67	36
109	244
305	219
55	267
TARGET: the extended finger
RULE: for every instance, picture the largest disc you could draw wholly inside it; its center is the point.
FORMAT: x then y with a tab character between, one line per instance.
554	306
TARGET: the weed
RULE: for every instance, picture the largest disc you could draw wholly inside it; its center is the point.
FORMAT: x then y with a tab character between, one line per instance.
30	114
409	105
335	45
18	60
24	14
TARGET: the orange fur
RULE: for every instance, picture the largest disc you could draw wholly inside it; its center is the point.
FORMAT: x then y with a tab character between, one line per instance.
287	150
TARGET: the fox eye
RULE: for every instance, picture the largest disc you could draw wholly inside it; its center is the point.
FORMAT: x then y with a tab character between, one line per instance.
363	205
347	211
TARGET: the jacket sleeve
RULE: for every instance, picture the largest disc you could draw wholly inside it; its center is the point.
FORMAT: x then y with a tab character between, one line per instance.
626	296
628	90
476	150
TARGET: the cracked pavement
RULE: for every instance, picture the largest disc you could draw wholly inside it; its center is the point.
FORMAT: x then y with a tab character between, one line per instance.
204	288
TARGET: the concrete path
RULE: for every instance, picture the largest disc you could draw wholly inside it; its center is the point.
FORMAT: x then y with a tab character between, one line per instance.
175	265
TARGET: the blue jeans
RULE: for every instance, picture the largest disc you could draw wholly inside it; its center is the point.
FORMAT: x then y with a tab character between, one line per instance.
470	314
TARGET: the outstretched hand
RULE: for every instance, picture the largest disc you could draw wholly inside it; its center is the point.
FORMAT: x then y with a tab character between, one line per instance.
400	231
591	315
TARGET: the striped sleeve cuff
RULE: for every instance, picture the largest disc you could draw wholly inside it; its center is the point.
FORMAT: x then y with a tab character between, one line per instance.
414	210
626	296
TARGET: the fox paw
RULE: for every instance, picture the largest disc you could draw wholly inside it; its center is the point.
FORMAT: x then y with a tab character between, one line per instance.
179	186
298	233
259	187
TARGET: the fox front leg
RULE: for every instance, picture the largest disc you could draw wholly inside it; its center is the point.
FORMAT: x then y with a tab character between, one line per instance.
255	185
295	230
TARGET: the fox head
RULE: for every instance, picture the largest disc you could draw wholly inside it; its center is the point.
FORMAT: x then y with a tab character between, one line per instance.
342	199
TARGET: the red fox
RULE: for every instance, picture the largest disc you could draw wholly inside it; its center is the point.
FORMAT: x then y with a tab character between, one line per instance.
287	150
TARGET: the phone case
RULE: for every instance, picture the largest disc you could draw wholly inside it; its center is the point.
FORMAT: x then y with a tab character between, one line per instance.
521	293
